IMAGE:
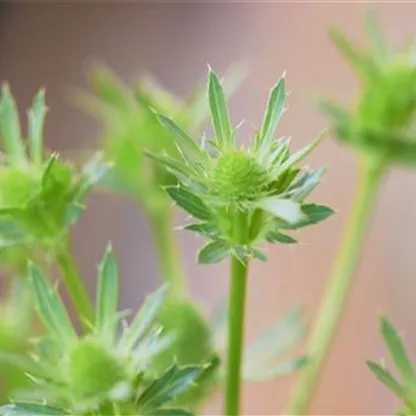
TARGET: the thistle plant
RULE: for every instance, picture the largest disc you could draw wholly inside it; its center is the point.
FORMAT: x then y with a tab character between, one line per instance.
107	370
41	196
240	197
381	127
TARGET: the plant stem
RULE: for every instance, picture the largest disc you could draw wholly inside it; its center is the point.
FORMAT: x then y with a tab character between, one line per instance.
338	287
236	314
75	285
167	251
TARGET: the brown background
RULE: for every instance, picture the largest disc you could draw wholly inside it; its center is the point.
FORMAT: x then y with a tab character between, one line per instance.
53	44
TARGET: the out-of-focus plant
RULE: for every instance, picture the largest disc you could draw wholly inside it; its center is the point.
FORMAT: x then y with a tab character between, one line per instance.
403	386
381	128
240	197
107	370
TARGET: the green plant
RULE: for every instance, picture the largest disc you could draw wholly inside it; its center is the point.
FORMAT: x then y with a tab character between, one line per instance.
240	197
168	358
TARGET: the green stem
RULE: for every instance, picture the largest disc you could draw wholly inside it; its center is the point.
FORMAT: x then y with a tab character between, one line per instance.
75	285
167	251
338	288
236	314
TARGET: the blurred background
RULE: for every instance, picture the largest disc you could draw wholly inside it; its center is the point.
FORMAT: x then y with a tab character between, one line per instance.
53	45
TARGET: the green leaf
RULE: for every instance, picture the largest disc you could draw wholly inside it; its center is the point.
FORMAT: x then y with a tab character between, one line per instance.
219	112
270	372
387	379
144	319
276	237
317	213
214	252
174	382
50	307
107	295
306	184
397	351
360	62
181	171
172	412
187	145
10	127
375	35
36	120
302	153
203	228
275	107
31	409
190	202
286	209
258	254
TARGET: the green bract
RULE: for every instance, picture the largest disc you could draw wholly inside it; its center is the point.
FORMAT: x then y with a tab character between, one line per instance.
241	196
40	195
382	122
403	386
108	371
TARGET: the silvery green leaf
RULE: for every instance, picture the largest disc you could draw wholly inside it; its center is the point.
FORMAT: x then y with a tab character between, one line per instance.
172	412
268	371
268	350
190	202
286	209
302	153
258	254
214	252
10	127
275	107
143	320
174	382
203	228
50	307
107	296
387	379
187	145
277	237
219	112
180	170
31	409
397	350
36	120
306	184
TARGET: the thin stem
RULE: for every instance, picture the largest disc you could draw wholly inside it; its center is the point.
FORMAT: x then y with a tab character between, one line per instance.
236	314
75	285
338	287
167	251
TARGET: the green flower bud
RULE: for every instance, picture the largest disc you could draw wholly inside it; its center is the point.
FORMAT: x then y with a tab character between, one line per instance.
238	177
92	369
383	122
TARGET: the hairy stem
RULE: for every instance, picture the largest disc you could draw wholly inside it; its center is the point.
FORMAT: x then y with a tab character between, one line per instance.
236	314
338	286
75	285
167	251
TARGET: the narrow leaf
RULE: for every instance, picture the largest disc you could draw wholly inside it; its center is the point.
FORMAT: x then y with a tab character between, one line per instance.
107	295
36	121
219	112
187	145
275	107
302	153
213	252
50	307
269	371
276	237
190	202
144	319
375	35
31	409
10	127
397	351
387	379
203	228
